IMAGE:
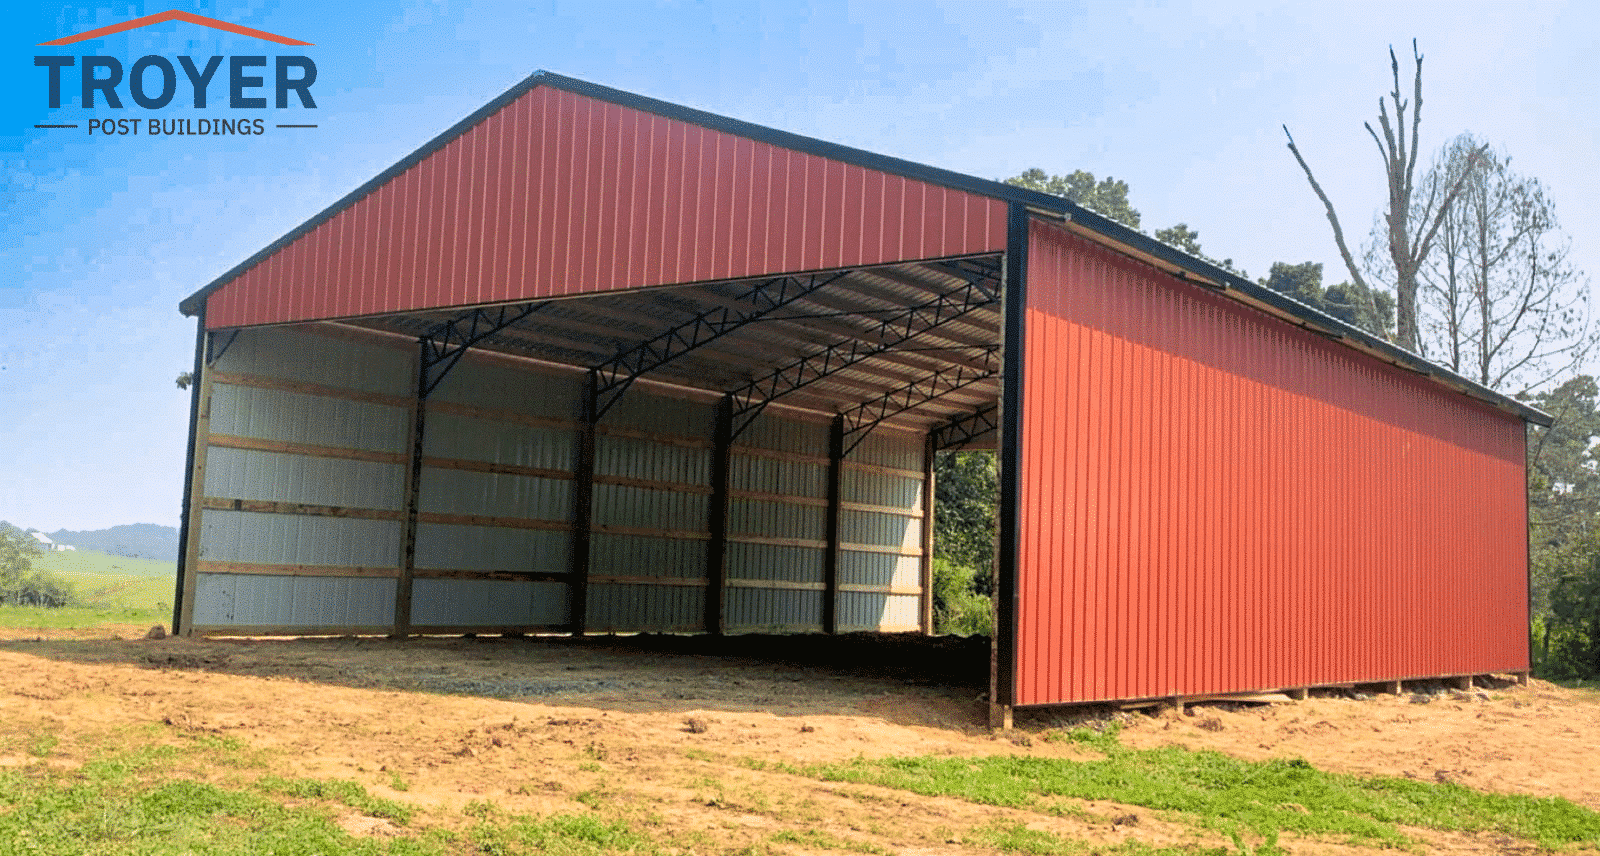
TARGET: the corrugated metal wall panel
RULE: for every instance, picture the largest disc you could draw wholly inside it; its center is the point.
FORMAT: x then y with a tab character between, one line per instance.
880	612
873	488
452	435
768	475
773	562
488	603
558	193
881	528
296	417
631	608
884	448
528	391
1216	501
448	546
774	610
495	495
279	601
860	568
334	361
636	555
775	519
295	539
278	477
781	433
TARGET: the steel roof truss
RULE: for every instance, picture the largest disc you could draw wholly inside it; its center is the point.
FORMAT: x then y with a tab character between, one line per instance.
967	427
861	419
443	346
753	397
619	372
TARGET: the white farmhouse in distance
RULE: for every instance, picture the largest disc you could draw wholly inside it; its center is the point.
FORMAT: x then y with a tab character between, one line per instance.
48	545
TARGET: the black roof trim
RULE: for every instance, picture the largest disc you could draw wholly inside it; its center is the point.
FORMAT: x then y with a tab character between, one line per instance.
1110	229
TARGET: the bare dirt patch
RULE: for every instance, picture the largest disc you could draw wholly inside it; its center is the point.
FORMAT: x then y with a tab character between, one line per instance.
688	732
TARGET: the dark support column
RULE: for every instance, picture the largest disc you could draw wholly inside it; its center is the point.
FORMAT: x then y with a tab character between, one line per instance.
926	576
717	549
413	490
193	483
583	508
830	556
1003	665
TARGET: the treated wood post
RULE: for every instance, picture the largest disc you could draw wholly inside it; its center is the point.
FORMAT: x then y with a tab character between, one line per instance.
413	493
717	548
830	556
583	508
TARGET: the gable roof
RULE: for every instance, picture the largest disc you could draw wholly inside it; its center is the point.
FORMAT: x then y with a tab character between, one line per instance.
981	237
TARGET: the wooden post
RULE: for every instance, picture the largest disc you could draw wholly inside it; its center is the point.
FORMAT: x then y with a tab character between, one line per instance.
926	576
717	548
193	500
583	508
413	494
830	556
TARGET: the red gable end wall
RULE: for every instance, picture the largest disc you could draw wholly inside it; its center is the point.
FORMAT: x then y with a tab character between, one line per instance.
558	193
1214	500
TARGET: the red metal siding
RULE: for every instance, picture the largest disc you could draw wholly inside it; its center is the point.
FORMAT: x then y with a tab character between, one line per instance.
1214	500
558	193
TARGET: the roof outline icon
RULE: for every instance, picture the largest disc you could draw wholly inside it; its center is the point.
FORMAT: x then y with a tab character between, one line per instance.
173	15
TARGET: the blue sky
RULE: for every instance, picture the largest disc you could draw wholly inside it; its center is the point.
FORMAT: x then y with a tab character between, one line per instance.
102	236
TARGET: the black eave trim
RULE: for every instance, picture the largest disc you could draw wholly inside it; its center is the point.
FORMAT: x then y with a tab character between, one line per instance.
1044	202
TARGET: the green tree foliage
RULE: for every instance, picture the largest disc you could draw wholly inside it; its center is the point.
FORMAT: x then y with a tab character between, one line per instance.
1569	644
1563	482
957	606
1107	196
1182	237
966	487
1348	302
21	584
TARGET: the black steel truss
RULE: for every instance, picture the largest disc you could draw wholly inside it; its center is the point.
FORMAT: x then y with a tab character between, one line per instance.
861	419
443	345
750	399
619	372
967	427
214	351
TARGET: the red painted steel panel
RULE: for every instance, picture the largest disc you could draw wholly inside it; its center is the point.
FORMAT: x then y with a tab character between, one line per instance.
558	193
1217	501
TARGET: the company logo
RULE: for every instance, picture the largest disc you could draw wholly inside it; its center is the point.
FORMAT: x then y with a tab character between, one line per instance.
154	82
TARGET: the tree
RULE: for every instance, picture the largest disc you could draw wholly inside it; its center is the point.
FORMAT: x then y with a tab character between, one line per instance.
1499	301
1182	237
1108	197
20	583
1411	220
1563	482
1345	301
967	484
1571	644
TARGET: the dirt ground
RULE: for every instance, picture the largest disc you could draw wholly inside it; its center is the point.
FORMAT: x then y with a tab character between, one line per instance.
686	729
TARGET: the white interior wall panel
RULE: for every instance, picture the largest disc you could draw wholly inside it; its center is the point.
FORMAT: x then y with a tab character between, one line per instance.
300	519
304	520
495	500
651	514
775	550
880	532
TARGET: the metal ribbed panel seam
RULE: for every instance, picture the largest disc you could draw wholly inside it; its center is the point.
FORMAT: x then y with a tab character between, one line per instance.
1216	501
558	193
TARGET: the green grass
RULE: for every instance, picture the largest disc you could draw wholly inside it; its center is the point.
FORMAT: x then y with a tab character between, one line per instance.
1229	795
109	590
156	799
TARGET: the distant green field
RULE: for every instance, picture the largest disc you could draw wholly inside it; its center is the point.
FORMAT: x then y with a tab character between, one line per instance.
110	589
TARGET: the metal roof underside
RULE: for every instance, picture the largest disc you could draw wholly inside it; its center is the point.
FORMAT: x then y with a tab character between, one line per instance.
911	346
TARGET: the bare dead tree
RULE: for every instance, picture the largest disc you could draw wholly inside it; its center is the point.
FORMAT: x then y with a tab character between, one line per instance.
1500	301
1408	247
